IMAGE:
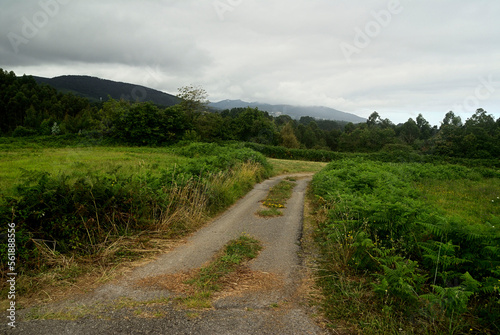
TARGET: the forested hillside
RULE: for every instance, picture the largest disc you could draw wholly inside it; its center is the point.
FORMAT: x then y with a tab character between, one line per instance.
97	89
28	109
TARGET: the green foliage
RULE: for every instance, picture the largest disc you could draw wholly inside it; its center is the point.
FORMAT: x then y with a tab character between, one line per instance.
400	280
298	154
24	103
36	107
451	300
212	157
193	101
81	211
144	123
21	131
288	138
381	224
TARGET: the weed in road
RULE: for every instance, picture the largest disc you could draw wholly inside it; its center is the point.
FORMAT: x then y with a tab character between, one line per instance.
276	198
209	278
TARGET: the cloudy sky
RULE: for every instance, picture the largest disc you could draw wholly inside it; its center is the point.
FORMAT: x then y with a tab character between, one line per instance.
397	57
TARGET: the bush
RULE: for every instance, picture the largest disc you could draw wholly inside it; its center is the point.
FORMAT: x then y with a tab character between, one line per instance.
21	131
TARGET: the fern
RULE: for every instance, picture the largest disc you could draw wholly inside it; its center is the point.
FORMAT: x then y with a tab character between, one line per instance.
452	300
402	280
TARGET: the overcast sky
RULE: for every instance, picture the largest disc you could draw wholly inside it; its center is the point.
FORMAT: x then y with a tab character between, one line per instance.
399	58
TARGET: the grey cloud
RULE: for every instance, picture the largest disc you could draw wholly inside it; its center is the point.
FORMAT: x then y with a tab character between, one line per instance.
427	57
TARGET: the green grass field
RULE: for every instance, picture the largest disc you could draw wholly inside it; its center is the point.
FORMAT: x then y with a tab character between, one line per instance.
86	207
474	201
14	164
18	162
284	166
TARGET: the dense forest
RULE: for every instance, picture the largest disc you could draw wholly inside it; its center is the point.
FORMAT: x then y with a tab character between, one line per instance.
30	109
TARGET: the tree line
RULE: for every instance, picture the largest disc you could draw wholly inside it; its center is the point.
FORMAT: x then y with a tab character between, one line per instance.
30	109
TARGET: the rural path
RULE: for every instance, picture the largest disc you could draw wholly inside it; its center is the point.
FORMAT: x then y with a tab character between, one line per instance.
267	297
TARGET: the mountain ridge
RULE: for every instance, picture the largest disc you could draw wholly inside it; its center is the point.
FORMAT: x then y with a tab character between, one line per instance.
318	112
96	89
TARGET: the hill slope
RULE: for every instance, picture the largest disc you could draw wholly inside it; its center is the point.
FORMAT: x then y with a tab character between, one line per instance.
296	112
96	89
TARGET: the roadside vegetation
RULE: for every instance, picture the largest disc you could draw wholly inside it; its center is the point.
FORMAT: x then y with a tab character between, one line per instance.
82	207
409	247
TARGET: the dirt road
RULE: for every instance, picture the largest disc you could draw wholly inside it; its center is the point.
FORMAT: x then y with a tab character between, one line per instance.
265	298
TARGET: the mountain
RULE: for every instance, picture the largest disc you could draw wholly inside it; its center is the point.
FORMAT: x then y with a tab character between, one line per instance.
318	112
96	89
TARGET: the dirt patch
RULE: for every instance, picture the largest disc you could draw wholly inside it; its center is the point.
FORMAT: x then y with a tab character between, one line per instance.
236	283
246	280
175	283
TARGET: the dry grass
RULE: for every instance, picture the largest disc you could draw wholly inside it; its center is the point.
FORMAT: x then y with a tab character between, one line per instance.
187	205
73	276
235	283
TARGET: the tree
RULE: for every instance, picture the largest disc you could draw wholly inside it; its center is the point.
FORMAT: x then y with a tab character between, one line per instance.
288	138
146	124
409	131
193	101
252	124
451	120
481	136
374	120
424	127
210	127
282	120
448	140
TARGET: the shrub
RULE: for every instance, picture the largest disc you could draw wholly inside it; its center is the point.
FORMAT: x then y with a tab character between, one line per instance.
21	131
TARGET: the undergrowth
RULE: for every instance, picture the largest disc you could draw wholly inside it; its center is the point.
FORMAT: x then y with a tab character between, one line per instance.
396	259
80	217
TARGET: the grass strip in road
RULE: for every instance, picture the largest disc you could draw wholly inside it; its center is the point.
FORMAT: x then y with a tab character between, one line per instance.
276	198
209	279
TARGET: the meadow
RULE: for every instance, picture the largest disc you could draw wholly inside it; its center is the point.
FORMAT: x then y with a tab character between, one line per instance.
409	247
